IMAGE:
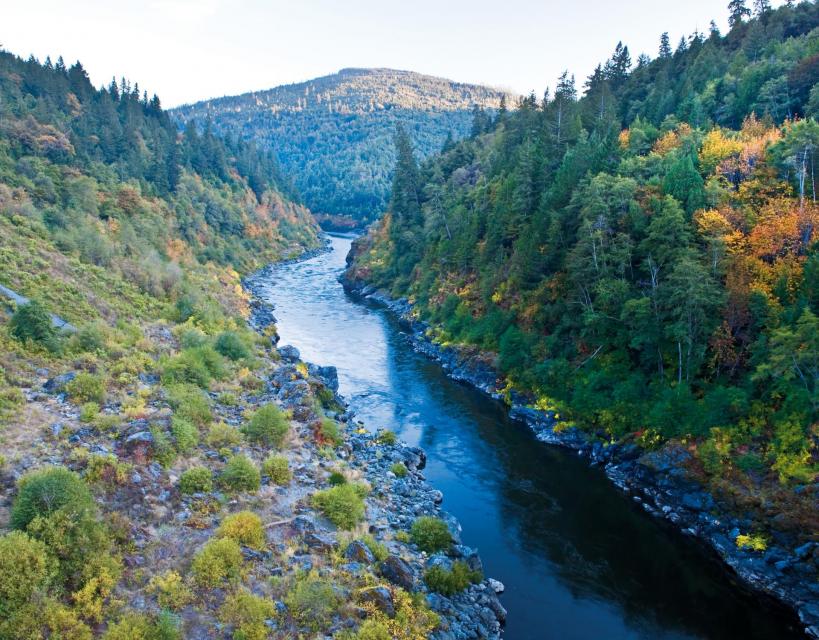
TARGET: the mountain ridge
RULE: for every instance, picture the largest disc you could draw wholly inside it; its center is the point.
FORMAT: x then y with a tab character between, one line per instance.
333	135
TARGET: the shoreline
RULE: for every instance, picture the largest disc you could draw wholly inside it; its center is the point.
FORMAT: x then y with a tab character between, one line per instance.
655	480
396	502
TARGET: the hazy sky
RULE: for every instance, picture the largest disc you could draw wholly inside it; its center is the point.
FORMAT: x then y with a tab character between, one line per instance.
187	50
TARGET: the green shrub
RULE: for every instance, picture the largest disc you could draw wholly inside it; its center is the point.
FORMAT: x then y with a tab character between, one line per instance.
330	432
450	582
222	436
197	366
190	403
86	387
24	570
231	345
399	469
32	321
219	561
430	534
240	474
196	480
247	614
185	434
228	399
387	437
44	491
107	470
162	446
268	425
342	505
336	478
277	469
90	338
170	590
191	338
245	527
312	602
89	412
140	626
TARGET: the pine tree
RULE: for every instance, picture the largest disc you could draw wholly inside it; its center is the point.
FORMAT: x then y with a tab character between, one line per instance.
665	46
737	12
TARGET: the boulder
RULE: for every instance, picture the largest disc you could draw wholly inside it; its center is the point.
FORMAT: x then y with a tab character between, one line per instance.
289	353
57	383
380	597
357	551
397	571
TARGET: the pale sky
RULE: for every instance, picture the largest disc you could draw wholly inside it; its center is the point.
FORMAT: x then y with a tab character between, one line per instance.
188	50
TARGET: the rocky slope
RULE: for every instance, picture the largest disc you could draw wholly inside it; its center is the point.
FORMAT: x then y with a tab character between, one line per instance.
660	481
370	573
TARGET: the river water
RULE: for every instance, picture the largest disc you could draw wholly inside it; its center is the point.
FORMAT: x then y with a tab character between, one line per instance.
578	558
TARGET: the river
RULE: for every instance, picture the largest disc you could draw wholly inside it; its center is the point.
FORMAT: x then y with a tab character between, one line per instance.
579	559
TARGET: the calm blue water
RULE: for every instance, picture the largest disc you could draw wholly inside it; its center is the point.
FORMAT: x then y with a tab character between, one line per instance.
579	559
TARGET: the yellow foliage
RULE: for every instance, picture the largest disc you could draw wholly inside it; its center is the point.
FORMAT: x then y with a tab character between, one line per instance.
752	542
715	148
90	599
245	527
170	590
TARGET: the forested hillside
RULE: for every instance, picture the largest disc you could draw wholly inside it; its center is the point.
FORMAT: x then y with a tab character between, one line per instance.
641	252
136	236
333	135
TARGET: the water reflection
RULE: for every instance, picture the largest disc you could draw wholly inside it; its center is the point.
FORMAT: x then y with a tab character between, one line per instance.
579	559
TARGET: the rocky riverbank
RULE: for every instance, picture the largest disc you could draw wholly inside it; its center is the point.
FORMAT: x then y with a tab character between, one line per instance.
659	481
393	504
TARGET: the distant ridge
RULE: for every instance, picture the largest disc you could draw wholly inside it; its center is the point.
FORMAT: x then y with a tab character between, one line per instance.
333	134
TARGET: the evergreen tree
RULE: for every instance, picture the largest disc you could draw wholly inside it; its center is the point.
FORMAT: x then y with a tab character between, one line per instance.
737	12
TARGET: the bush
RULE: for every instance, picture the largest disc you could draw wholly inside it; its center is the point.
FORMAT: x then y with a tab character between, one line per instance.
277	469
139	626
24	570
387	437
190	403
336	478
452	581
399	469
342	505
330	432
247	614
170	590
219	561
231	345
312	602
162	446
197	366
89	412
44	491
430	534
221	436
196	480
185	434
86	387
268	426
107	470
240	474
32	321
90	338
245	527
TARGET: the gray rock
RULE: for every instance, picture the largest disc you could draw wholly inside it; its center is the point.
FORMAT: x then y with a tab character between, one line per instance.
57	383
380	597
397	571
357	551
289	353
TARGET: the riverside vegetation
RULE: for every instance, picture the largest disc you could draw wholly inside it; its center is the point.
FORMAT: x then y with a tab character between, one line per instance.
641	263
167	472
